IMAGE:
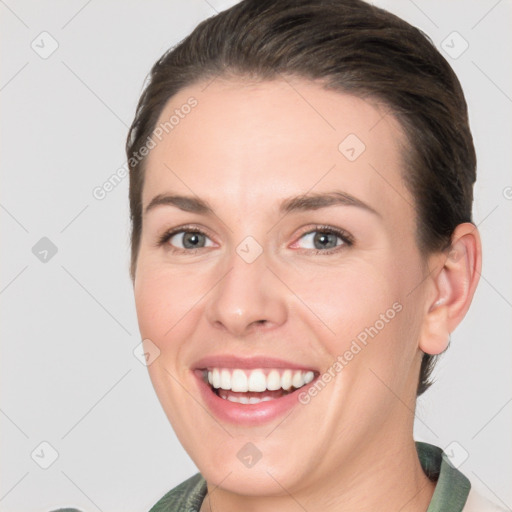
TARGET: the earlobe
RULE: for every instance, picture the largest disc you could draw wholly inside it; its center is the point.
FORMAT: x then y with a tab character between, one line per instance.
453	287
435	334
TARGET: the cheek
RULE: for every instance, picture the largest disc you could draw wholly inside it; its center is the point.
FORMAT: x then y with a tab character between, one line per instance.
349	298
367	321
164	302
164	299
150	295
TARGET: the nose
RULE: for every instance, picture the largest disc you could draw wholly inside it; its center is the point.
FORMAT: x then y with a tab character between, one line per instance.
248	298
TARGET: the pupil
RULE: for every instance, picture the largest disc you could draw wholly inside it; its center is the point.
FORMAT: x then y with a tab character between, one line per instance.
191	239
325	240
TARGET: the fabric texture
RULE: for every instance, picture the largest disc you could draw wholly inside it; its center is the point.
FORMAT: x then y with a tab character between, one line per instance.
452	492
186	497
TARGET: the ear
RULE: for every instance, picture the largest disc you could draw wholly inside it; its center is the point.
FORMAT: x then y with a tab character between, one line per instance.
452	284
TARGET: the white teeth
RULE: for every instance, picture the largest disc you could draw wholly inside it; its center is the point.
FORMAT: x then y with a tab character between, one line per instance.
257	380
297	380
239	381
225	379
273	380
245	400
286	380
216	378
308	377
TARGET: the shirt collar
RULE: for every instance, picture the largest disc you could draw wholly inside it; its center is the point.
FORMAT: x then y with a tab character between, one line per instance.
452	487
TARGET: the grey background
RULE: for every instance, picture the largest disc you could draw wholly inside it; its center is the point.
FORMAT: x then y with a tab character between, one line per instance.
68	373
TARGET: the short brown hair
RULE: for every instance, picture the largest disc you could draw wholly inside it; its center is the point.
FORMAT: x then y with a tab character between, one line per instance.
352	47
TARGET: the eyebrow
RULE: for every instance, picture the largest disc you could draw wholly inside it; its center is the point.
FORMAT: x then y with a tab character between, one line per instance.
310	201
185	203
315	201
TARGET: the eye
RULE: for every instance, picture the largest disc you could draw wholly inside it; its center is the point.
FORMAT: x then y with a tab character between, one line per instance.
324	239
186	239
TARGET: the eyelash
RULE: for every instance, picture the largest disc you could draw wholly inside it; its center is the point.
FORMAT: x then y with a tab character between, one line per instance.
347	238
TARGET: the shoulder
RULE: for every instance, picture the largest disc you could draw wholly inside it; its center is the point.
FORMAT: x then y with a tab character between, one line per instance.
186	496
477	503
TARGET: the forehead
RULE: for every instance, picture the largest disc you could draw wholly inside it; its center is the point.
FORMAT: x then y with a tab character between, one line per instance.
255	142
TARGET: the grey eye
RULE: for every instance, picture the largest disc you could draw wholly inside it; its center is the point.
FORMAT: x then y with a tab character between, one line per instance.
190	240
321	240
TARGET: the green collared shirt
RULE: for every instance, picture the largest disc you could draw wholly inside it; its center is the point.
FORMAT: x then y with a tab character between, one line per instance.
450	495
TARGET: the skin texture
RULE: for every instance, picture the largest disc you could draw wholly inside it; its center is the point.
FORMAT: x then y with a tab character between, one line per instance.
244	149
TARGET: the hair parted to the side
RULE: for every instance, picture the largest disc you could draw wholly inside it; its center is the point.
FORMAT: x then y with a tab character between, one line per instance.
352	47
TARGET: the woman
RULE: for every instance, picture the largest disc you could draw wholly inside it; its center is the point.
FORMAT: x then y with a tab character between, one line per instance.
301	178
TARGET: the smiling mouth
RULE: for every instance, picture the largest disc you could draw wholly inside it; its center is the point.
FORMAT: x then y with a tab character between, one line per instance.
246	386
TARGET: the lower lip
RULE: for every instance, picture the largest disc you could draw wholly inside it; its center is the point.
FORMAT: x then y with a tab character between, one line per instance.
247	414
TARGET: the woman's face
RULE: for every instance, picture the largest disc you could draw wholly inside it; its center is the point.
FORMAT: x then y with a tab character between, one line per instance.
292	256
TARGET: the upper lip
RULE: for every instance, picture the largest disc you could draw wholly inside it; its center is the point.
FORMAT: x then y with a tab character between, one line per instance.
230	361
